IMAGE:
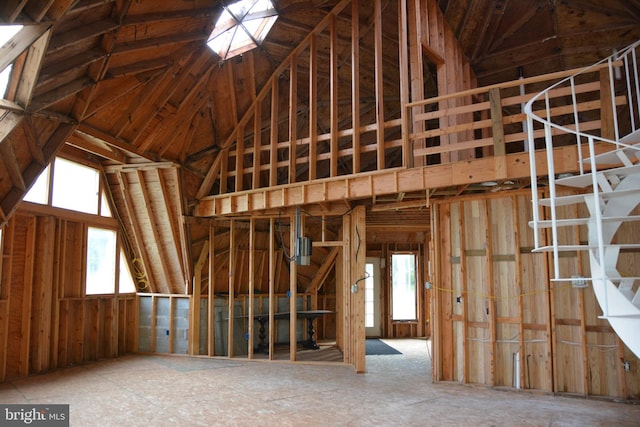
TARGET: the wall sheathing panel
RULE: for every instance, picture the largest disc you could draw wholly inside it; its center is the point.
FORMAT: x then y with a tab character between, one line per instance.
44	317
499	319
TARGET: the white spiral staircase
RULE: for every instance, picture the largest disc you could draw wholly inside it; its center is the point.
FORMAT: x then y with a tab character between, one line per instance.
611	184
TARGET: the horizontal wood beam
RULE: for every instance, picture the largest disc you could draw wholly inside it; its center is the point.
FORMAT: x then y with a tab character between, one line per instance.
390	181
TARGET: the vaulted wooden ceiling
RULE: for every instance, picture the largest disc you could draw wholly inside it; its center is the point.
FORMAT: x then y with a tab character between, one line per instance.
541	36
132	83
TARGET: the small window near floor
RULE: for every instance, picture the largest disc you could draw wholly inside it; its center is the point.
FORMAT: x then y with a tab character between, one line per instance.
101	261
403	283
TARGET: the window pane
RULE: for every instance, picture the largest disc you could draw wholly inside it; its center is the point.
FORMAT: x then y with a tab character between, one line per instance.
403	278
39	191
369	297
6	32
125	283
75	187
105	210
101	261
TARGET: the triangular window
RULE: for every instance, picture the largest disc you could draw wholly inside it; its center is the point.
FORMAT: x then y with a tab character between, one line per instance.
6	33
242	26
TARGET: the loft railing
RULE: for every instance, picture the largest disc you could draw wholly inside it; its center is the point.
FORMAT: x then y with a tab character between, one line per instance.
490	121
619	116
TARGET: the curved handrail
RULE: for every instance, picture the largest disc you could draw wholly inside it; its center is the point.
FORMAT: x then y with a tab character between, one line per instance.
615	60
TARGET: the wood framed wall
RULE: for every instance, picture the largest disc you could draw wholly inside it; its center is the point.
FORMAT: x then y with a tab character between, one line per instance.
46	320
499	321
246	267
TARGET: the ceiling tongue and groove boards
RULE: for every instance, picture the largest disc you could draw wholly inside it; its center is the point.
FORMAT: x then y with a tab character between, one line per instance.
150	204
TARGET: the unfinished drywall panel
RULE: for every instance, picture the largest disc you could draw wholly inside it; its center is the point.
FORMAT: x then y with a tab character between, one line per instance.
163	323
499	318
145	309
162	327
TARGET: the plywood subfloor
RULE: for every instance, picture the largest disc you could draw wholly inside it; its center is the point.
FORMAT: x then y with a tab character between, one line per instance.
149	390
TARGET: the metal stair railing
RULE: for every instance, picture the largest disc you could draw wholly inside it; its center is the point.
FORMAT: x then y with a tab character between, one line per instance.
627	60
610	197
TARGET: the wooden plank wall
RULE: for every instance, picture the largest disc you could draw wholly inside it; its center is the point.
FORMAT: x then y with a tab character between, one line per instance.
499	321
454	74
46	322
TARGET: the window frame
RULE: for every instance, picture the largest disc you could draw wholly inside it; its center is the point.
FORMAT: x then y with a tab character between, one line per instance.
88	220
416	273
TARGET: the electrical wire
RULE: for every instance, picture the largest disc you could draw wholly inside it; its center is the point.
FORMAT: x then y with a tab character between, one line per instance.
496	298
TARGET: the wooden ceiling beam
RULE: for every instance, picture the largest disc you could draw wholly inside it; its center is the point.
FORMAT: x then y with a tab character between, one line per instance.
8	121
26	37
31	138
57	74
12	9
92	145
79	34
47	99
114	141
37	10
12	165
152	18
607	9
157	42
517	24
489	27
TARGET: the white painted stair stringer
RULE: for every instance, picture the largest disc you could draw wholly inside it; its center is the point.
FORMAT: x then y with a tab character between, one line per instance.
613	191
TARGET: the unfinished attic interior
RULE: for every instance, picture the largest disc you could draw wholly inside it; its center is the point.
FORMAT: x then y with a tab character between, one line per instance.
279	180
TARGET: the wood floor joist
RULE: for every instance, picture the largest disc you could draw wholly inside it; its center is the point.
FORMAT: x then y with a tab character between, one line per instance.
366	185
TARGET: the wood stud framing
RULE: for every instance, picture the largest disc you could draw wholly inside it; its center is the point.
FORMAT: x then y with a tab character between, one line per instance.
497	313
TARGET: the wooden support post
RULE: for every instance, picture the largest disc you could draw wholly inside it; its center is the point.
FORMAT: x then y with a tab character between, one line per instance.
172	330
355	83
464	293
417	71
344	294
491	295
407	157
606	105
496	122
211	323
272	276
252	278
232	258
334	98
551	313
521	332
273	152
313	107
196	302
293	117
293	292
358	273
154	321
240	160
257	142
586	381
379	82
27	306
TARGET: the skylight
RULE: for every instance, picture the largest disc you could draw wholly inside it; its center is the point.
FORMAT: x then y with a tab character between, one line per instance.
242	26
